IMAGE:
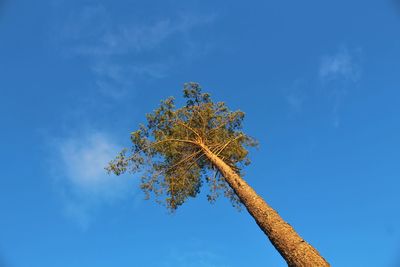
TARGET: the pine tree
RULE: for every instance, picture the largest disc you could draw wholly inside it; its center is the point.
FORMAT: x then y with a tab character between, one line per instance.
180	149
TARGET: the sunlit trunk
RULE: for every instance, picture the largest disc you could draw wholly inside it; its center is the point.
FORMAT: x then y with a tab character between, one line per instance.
290	245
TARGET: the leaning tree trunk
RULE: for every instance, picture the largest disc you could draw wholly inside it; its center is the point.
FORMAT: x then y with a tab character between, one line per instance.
289	244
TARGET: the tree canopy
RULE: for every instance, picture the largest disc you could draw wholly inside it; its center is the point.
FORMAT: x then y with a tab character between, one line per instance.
167	150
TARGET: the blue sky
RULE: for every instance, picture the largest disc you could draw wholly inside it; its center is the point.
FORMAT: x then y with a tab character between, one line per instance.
318	80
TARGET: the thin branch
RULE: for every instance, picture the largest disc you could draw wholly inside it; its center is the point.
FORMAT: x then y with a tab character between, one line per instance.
176	140
216	147
202	118
222	124
190	128
227	144
165	140
194	161
219	126
182	161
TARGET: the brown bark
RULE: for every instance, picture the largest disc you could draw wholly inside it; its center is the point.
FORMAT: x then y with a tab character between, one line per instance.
289	244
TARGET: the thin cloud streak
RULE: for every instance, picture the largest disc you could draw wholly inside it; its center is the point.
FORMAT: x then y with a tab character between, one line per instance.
136	39
119	53
340	73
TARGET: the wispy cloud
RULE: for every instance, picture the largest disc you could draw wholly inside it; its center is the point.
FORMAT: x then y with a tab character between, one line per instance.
339	73
120	53
132	38
341	65
296	95
81	178
84	160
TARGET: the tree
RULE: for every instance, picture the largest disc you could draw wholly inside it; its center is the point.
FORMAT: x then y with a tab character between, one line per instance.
180	149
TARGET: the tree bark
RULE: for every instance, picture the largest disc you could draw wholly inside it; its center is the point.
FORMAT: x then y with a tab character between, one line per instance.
289	244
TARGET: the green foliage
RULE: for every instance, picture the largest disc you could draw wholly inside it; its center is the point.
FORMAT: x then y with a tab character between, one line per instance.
168	153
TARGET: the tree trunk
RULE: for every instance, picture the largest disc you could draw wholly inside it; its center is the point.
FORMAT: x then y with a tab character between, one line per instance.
289	244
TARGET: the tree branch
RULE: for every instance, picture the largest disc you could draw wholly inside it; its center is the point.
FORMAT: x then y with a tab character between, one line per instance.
189	128
203	120
166	140
227	144
182	161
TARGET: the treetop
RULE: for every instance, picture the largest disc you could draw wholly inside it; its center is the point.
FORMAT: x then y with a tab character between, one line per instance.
167	151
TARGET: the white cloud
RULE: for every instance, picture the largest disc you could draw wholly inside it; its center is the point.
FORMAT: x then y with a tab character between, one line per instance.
341	65
84	161
81	178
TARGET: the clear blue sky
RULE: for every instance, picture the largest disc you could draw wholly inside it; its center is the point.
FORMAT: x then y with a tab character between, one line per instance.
319	82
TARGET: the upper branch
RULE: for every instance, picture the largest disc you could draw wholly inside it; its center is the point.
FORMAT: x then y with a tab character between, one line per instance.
227	144
190	128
